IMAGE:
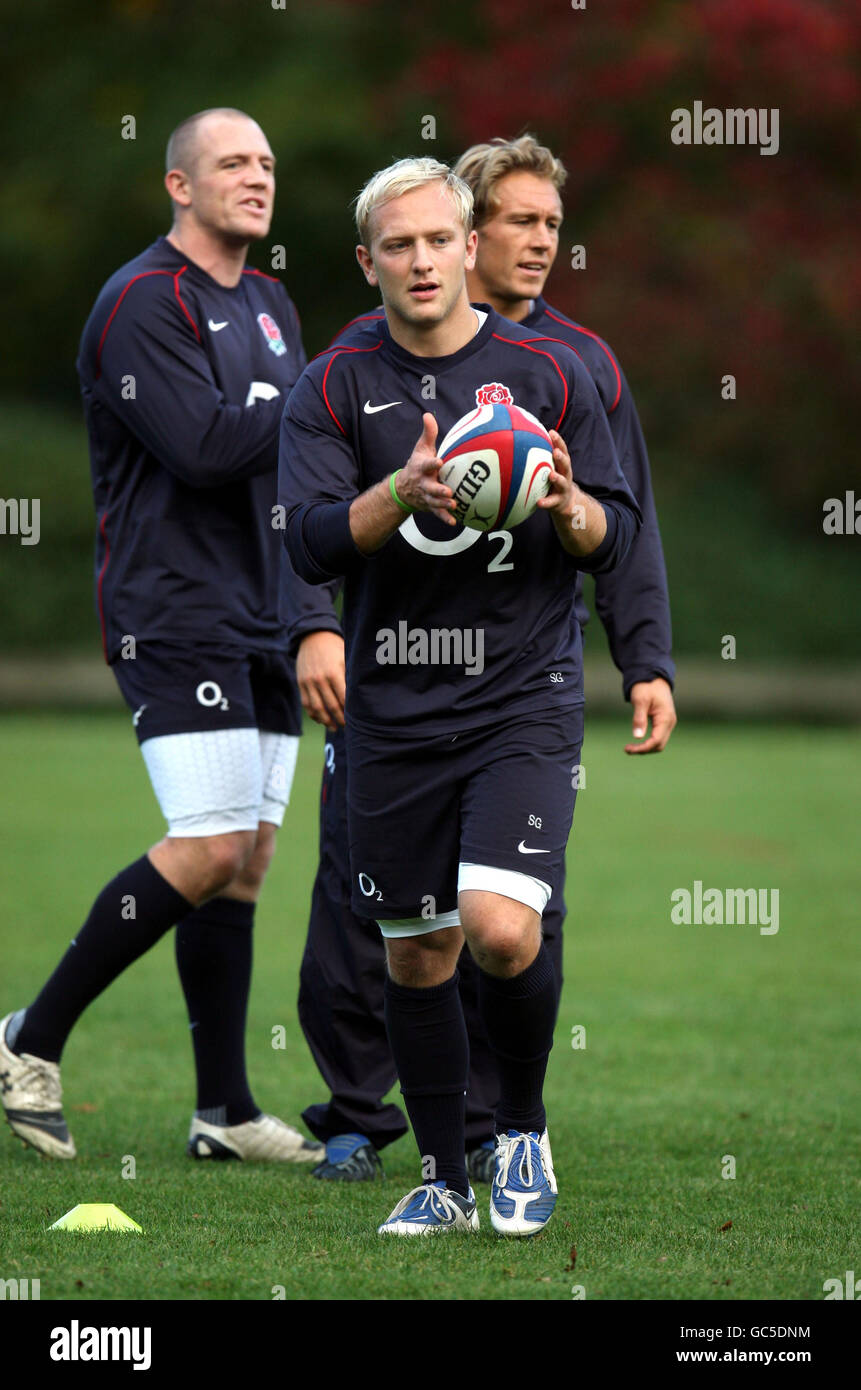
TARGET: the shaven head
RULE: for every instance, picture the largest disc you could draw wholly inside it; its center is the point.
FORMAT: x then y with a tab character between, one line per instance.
482	167
221	181
404	176
183	146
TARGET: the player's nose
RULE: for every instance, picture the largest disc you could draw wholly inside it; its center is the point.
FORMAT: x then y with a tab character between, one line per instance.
422	258
258	174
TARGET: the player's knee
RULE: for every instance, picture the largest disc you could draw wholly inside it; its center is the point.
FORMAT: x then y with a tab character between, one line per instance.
500	946
264	848
226	856
253	871
418	962
501	943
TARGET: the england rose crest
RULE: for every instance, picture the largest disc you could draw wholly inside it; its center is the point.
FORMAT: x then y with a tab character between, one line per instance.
272	334
493	393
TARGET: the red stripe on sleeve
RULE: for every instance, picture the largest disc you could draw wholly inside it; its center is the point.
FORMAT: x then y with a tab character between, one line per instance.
110	320
335	353
262	273
578	328
104	537
360	318
124	292
529	348
182	302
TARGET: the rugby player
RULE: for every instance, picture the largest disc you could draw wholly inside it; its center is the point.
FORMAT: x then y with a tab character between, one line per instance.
185	364
448	770
518	216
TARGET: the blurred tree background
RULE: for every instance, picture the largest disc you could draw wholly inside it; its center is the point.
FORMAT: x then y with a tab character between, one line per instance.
701	261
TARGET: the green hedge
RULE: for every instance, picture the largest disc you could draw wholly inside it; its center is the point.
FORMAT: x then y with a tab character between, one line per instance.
734	566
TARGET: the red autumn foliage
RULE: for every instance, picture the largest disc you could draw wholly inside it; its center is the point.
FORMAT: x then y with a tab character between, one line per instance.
701	260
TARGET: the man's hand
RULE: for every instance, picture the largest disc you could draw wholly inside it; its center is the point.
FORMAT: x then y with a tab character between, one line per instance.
375	516
417	483
580	521
652	700
321	678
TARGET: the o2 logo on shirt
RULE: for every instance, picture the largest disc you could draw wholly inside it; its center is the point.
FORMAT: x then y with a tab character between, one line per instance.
209	695
419	541
368	888
272	334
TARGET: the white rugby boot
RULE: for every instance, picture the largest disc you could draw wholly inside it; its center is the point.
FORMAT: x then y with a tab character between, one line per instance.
263	1138
33	1100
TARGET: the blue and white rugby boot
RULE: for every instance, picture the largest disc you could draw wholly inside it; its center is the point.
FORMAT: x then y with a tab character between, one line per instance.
349	1158
431	1209
524	1188
481	1162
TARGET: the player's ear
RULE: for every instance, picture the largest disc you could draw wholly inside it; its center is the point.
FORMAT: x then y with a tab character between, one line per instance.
363	256
178	186
471	248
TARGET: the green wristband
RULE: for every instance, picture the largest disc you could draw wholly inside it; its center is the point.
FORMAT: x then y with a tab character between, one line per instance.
403	506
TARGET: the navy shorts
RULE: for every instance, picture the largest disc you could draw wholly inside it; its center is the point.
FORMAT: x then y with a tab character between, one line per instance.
501	796
174	689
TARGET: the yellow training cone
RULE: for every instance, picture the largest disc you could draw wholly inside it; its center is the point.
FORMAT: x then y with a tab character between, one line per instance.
95	1216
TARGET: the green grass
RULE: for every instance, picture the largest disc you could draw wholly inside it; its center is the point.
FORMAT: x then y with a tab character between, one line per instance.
701	1041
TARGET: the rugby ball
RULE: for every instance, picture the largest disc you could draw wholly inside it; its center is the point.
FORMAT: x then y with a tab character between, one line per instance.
497	461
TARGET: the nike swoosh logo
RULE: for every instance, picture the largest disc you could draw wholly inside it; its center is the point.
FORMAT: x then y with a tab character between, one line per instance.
51	1121
523	849
216	327
372	409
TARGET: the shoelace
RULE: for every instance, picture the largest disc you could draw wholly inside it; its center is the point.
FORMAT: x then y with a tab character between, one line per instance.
434	1198
511	1146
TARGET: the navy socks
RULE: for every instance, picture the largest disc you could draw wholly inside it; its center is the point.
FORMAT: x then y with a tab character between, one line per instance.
519	1015
130	915
213	956
428	1039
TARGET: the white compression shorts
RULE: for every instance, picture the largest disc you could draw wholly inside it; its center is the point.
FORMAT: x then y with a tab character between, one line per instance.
221	780
523	888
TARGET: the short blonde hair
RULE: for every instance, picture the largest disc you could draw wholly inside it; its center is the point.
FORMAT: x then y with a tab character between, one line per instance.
482	166
402	177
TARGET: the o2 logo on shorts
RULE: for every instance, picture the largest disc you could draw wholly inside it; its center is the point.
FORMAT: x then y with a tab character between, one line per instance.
209	695
329	756
369	889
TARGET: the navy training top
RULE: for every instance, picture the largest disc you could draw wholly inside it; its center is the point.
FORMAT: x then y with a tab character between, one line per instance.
516	588
184	383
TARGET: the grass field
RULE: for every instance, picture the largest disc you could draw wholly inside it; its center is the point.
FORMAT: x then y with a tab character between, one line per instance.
701	1042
